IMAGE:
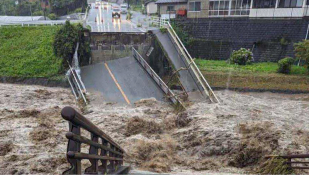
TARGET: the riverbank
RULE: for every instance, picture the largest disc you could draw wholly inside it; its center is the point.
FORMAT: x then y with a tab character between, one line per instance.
258	77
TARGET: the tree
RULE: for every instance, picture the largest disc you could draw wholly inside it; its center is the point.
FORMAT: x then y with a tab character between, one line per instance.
65	43
302	51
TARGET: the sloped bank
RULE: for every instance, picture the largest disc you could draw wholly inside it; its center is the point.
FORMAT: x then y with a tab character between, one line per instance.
49	82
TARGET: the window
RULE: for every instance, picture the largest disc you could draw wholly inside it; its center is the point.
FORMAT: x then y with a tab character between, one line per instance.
170	8
229	7
290	3
264	3
195	6
218	8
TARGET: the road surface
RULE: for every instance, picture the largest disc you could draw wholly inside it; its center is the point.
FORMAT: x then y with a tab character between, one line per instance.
101	20
121	80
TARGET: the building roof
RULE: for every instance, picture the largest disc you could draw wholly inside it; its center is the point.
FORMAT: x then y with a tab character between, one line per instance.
21	18
171	1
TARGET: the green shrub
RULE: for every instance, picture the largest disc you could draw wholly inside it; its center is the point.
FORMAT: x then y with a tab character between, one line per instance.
285	65
52	16
163	30
65	43
129	15
241	57
302	51
38	13
78	10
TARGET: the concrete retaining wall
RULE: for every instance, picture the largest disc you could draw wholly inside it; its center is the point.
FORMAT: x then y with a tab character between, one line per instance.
270	39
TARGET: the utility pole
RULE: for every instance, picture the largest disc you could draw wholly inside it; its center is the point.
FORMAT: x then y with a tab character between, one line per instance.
30	10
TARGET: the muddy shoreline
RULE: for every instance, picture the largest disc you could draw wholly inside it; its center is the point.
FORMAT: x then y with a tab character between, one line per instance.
34	81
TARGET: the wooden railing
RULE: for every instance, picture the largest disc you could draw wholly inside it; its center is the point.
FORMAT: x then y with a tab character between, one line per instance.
295	164
110	156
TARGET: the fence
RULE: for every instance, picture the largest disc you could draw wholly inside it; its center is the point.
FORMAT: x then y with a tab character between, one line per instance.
292	164
111	154
156	78
206	89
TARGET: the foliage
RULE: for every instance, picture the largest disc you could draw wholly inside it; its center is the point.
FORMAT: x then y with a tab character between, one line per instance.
183	35
129	15
84	51
65	43
52	16
28	52
260	67
275	166
163	30
38	13
241	57
78	10
285	65
59	7
302	51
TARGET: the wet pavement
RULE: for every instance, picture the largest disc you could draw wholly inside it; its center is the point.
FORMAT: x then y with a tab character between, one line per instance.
100	19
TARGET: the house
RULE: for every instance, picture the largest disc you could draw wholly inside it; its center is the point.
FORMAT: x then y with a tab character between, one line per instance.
248	8
168	8
151	7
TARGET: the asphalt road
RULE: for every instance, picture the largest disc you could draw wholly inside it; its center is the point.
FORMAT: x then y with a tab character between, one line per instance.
121	80
101	20
186	78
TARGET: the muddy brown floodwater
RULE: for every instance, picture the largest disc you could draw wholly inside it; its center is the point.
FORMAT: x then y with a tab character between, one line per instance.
231	137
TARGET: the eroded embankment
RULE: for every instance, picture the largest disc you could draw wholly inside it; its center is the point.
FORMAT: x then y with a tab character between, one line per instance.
230	137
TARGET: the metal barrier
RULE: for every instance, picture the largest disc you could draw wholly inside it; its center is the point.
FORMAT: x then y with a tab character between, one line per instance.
206	89
291	163
156	78
76	84
160	22
111	154
74	79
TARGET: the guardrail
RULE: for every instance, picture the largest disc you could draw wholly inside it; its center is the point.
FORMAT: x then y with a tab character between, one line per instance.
191	65
111	154
76	84
160	22
292	163
157	79
38	23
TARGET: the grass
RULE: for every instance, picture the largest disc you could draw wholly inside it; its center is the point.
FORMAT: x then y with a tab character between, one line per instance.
263	67
259	76
28	52
137	8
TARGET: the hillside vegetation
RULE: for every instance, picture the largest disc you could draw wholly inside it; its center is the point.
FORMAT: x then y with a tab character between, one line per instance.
28	52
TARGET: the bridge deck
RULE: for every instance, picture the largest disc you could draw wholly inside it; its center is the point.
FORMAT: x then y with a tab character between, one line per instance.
122	80
186	78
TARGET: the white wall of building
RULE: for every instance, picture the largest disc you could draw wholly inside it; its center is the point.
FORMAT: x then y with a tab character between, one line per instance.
152	8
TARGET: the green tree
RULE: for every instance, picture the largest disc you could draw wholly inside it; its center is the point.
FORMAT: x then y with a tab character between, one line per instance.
84	46
302	51
65	43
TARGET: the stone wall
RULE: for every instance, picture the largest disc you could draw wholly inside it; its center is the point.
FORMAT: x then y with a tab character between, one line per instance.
109	46
270	39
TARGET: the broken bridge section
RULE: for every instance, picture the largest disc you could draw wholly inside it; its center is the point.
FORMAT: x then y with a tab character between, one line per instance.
189	74
121	80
